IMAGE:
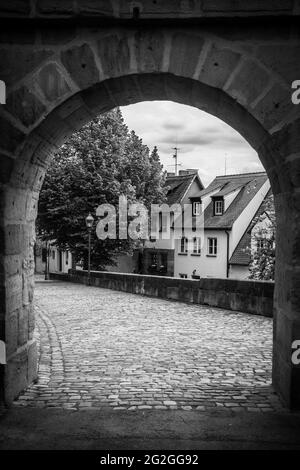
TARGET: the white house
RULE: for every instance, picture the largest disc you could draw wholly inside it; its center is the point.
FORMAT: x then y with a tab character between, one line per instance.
58	261
228	204
157	255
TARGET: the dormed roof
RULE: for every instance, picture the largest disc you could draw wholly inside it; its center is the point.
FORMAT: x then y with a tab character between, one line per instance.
241	254
247	185
179	185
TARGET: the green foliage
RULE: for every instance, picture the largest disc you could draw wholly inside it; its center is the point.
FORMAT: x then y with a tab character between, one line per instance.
262	264
96	165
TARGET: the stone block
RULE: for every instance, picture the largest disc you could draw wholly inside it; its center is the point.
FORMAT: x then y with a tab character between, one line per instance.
283	59
124	91
12	265
218	66
152	87
80	63
14	67
32	364
172	293
96	7
25	106
114	55
31	322
23	326
97	99
149	48
15	204
11	333
275	105
242	6
10	138
248	83
13	239
6	167
52	83
55	7
185	53
16	375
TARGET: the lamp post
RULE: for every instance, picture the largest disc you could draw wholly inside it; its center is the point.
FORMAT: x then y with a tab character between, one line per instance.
89	224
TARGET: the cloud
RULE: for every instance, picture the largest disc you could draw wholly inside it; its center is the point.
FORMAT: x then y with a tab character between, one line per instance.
204	140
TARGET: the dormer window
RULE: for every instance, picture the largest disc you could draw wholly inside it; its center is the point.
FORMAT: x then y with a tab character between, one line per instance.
218	206
196	208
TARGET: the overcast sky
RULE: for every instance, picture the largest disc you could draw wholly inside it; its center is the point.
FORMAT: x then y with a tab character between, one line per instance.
204	140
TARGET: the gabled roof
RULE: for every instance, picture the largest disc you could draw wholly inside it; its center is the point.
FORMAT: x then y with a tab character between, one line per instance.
241	254
179	185
248	184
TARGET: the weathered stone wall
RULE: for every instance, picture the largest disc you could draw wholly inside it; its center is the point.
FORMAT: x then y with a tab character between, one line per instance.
245	296
61	71
145	8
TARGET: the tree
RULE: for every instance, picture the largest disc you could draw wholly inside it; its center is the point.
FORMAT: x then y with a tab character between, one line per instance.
262	262
96	165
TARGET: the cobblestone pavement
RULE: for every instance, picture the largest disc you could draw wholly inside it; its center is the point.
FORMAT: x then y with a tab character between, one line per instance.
101	348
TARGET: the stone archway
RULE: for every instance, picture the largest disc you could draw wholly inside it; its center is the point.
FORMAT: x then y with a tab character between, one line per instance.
57	80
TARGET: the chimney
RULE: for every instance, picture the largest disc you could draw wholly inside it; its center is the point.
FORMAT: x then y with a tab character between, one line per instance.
189	171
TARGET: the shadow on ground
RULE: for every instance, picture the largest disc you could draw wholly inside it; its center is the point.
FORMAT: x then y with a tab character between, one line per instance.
110	430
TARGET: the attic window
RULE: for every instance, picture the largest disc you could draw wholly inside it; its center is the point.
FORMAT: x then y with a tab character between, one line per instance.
218	206
196	208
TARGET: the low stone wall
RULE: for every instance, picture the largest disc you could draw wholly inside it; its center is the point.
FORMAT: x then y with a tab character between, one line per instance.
254	297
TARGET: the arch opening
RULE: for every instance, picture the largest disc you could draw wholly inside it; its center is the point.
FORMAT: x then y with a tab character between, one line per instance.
34	153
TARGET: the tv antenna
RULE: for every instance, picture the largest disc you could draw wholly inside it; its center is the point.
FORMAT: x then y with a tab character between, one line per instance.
175	156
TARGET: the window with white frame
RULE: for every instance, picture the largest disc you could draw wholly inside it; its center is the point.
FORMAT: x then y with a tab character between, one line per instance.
196	208
212	246
197	245
183	245
219	207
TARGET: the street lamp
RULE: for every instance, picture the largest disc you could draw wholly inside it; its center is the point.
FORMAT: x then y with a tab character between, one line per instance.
89	224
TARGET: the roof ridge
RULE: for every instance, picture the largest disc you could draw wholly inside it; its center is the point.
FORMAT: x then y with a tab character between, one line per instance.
243	174
182	176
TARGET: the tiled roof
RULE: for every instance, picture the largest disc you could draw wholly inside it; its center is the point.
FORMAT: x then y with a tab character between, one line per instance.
178	185
249	184
241	254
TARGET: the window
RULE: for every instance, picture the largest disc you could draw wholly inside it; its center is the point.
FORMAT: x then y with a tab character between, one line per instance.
212	246
196	208
53	254
183	245
153	259
261	243
197	245
67	257
219	207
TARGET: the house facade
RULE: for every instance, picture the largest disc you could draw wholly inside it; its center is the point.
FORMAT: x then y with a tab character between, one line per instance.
228	204
59	261
232	209
158	254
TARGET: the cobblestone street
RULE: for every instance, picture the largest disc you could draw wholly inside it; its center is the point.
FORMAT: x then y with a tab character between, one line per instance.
106	349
